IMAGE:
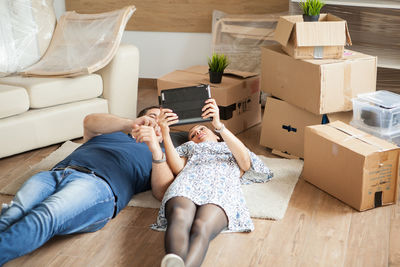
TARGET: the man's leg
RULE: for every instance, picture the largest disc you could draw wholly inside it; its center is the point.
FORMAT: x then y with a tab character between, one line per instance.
31	193
210	220
81	203
179	212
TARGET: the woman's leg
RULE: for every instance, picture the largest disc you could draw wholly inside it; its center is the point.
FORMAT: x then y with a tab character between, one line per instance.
209	221
179	212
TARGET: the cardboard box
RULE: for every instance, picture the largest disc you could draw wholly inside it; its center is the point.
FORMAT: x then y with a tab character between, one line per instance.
353	166
306	40
283	126
238	96
319	86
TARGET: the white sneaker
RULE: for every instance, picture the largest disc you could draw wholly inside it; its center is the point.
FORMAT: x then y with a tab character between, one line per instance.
172	260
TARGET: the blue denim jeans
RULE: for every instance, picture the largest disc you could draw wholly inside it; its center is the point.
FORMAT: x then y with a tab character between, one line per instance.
53	203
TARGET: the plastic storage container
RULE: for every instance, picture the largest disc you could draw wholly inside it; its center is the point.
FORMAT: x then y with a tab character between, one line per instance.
378	113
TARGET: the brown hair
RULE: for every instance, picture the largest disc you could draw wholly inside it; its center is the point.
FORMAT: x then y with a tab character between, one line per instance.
144	111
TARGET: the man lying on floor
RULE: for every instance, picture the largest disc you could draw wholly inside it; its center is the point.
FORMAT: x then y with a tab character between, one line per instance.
90	186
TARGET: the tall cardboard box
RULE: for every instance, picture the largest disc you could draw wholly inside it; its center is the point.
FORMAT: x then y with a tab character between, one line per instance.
353	166
283	125
319	86
307	40
238	96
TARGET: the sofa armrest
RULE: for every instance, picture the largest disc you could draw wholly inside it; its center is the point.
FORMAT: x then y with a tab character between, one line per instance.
120	81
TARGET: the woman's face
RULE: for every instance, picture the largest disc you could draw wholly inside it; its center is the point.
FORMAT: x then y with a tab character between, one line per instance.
201	133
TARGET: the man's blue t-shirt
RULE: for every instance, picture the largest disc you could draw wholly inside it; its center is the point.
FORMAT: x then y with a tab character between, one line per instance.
123	163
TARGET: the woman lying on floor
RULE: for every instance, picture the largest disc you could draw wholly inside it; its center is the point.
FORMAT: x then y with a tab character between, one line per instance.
205	197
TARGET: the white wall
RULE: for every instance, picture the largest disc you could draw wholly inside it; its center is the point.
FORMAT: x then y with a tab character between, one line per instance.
163	52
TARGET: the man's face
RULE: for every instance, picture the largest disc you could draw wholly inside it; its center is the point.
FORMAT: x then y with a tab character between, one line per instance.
154	113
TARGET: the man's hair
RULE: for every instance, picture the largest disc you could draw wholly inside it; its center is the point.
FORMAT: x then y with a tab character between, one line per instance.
144	111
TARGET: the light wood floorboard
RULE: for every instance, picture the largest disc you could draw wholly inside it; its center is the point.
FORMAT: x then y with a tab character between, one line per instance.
317	230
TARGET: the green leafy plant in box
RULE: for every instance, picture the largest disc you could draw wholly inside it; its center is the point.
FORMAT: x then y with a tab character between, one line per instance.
311	9
217	64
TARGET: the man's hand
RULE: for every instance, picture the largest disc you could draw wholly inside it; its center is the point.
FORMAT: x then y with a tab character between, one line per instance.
145	121
147	134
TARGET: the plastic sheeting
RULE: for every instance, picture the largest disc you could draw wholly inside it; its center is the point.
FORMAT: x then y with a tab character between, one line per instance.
239	37
82	43
26	29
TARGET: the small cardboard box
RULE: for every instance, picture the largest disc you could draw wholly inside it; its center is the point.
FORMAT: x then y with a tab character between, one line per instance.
351	165
319	86
283	126
306	40
238	96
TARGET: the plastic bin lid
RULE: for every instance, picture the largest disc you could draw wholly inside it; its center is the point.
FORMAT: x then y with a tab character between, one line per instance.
382	98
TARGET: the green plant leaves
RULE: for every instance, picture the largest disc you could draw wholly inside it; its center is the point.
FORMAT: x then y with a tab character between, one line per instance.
218	62
311	7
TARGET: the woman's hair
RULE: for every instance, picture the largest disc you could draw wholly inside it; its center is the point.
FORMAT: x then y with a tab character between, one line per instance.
144	111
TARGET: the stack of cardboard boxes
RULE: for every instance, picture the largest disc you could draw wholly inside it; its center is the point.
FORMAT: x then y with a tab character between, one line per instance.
313	77
312	80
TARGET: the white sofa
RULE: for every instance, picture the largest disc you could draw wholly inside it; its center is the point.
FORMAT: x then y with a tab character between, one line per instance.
37	112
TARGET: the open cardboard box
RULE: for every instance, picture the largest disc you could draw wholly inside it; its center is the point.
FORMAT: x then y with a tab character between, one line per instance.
351	165
238	96
306	40
283	126
319	86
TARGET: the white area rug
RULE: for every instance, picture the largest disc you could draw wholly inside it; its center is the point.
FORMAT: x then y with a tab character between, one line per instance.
268	200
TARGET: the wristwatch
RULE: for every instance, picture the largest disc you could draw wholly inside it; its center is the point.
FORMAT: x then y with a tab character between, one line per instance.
220	129
163	159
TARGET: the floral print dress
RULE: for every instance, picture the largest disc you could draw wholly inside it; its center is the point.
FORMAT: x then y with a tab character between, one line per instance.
212	175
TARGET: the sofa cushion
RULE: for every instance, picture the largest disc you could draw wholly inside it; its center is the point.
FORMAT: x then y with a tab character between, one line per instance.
46	92
13	100
42	127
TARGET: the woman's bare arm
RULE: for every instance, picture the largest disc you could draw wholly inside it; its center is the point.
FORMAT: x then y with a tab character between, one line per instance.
236	146
166	118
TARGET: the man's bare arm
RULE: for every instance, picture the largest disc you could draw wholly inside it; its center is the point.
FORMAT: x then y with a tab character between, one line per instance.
103	123
161	174
161	178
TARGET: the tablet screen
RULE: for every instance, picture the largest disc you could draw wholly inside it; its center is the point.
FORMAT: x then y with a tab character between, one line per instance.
186	102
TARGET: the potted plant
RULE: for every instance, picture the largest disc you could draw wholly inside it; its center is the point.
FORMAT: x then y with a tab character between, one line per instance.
216	66
311	9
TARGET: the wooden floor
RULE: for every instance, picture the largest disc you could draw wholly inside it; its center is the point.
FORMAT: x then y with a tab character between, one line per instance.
317	230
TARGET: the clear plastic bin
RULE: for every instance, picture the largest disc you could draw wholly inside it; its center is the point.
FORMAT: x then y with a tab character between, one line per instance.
377	112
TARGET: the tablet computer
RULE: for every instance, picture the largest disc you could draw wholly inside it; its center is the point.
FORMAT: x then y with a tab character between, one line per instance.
186	102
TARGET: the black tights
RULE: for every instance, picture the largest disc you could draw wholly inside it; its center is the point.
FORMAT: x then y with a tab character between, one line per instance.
191	228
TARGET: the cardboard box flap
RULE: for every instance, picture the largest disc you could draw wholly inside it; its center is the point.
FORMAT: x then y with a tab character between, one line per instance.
240	74
284	29
328	31
201	69
335	18
332	33
185	78
374	143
